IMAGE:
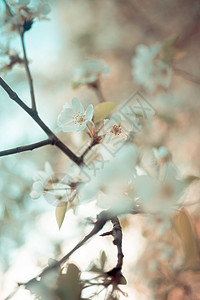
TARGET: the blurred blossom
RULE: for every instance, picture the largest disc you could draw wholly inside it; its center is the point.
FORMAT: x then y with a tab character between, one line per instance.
148	70
118	168
162	155
41	178
75	118
89	72
162	194
23	16
19	3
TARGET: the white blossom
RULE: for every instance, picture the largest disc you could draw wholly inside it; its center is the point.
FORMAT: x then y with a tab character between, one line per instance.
118	169
148	70
40	179
162	194
89	72
74	118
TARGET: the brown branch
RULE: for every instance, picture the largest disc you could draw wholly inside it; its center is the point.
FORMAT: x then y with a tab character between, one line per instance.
26	148
34	115
186	75
30	80
117	235
116	232
97	88
102	219
95	141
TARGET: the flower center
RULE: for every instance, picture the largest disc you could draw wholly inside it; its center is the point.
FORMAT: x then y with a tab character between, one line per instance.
80	119
116	129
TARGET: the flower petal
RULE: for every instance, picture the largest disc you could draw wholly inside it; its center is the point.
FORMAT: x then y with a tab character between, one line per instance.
65	115
77	106
116	118
89	112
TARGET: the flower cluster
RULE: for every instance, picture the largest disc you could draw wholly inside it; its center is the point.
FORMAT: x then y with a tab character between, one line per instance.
21	16
56	188
148	70
113	174
41	178
89	72
10	58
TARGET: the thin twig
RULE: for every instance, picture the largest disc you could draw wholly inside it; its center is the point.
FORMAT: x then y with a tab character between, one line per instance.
30	80
186	75
97	88
34	115
26	148
95	141
8	8
99	95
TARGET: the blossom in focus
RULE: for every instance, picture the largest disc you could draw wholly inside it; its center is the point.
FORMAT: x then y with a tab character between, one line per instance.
74	117
89	72
148	70
40	179
114	129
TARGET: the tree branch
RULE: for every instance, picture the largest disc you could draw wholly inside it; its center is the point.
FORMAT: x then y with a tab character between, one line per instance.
117	235
30	81
97	88
34	115
26	148
186	75
102	219
116	232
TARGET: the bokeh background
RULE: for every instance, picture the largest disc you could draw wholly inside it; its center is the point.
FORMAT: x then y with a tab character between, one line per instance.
79	30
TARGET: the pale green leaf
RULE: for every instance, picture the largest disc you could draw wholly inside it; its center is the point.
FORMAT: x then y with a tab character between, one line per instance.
184	228
103	259
69	285
61	210
102	110
122	280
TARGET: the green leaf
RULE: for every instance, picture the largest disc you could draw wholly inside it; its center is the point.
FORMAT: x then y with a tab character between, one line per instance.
102	110
69	285
75	85
122	280
61	210
103	259
184	228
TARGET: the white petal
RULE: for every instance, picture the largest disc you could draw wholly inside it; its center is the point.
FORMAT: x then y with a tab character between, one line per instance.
82	127
48	168
67	105
65	115
70	127
35	195
38	186
89	112
77	106
116	118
